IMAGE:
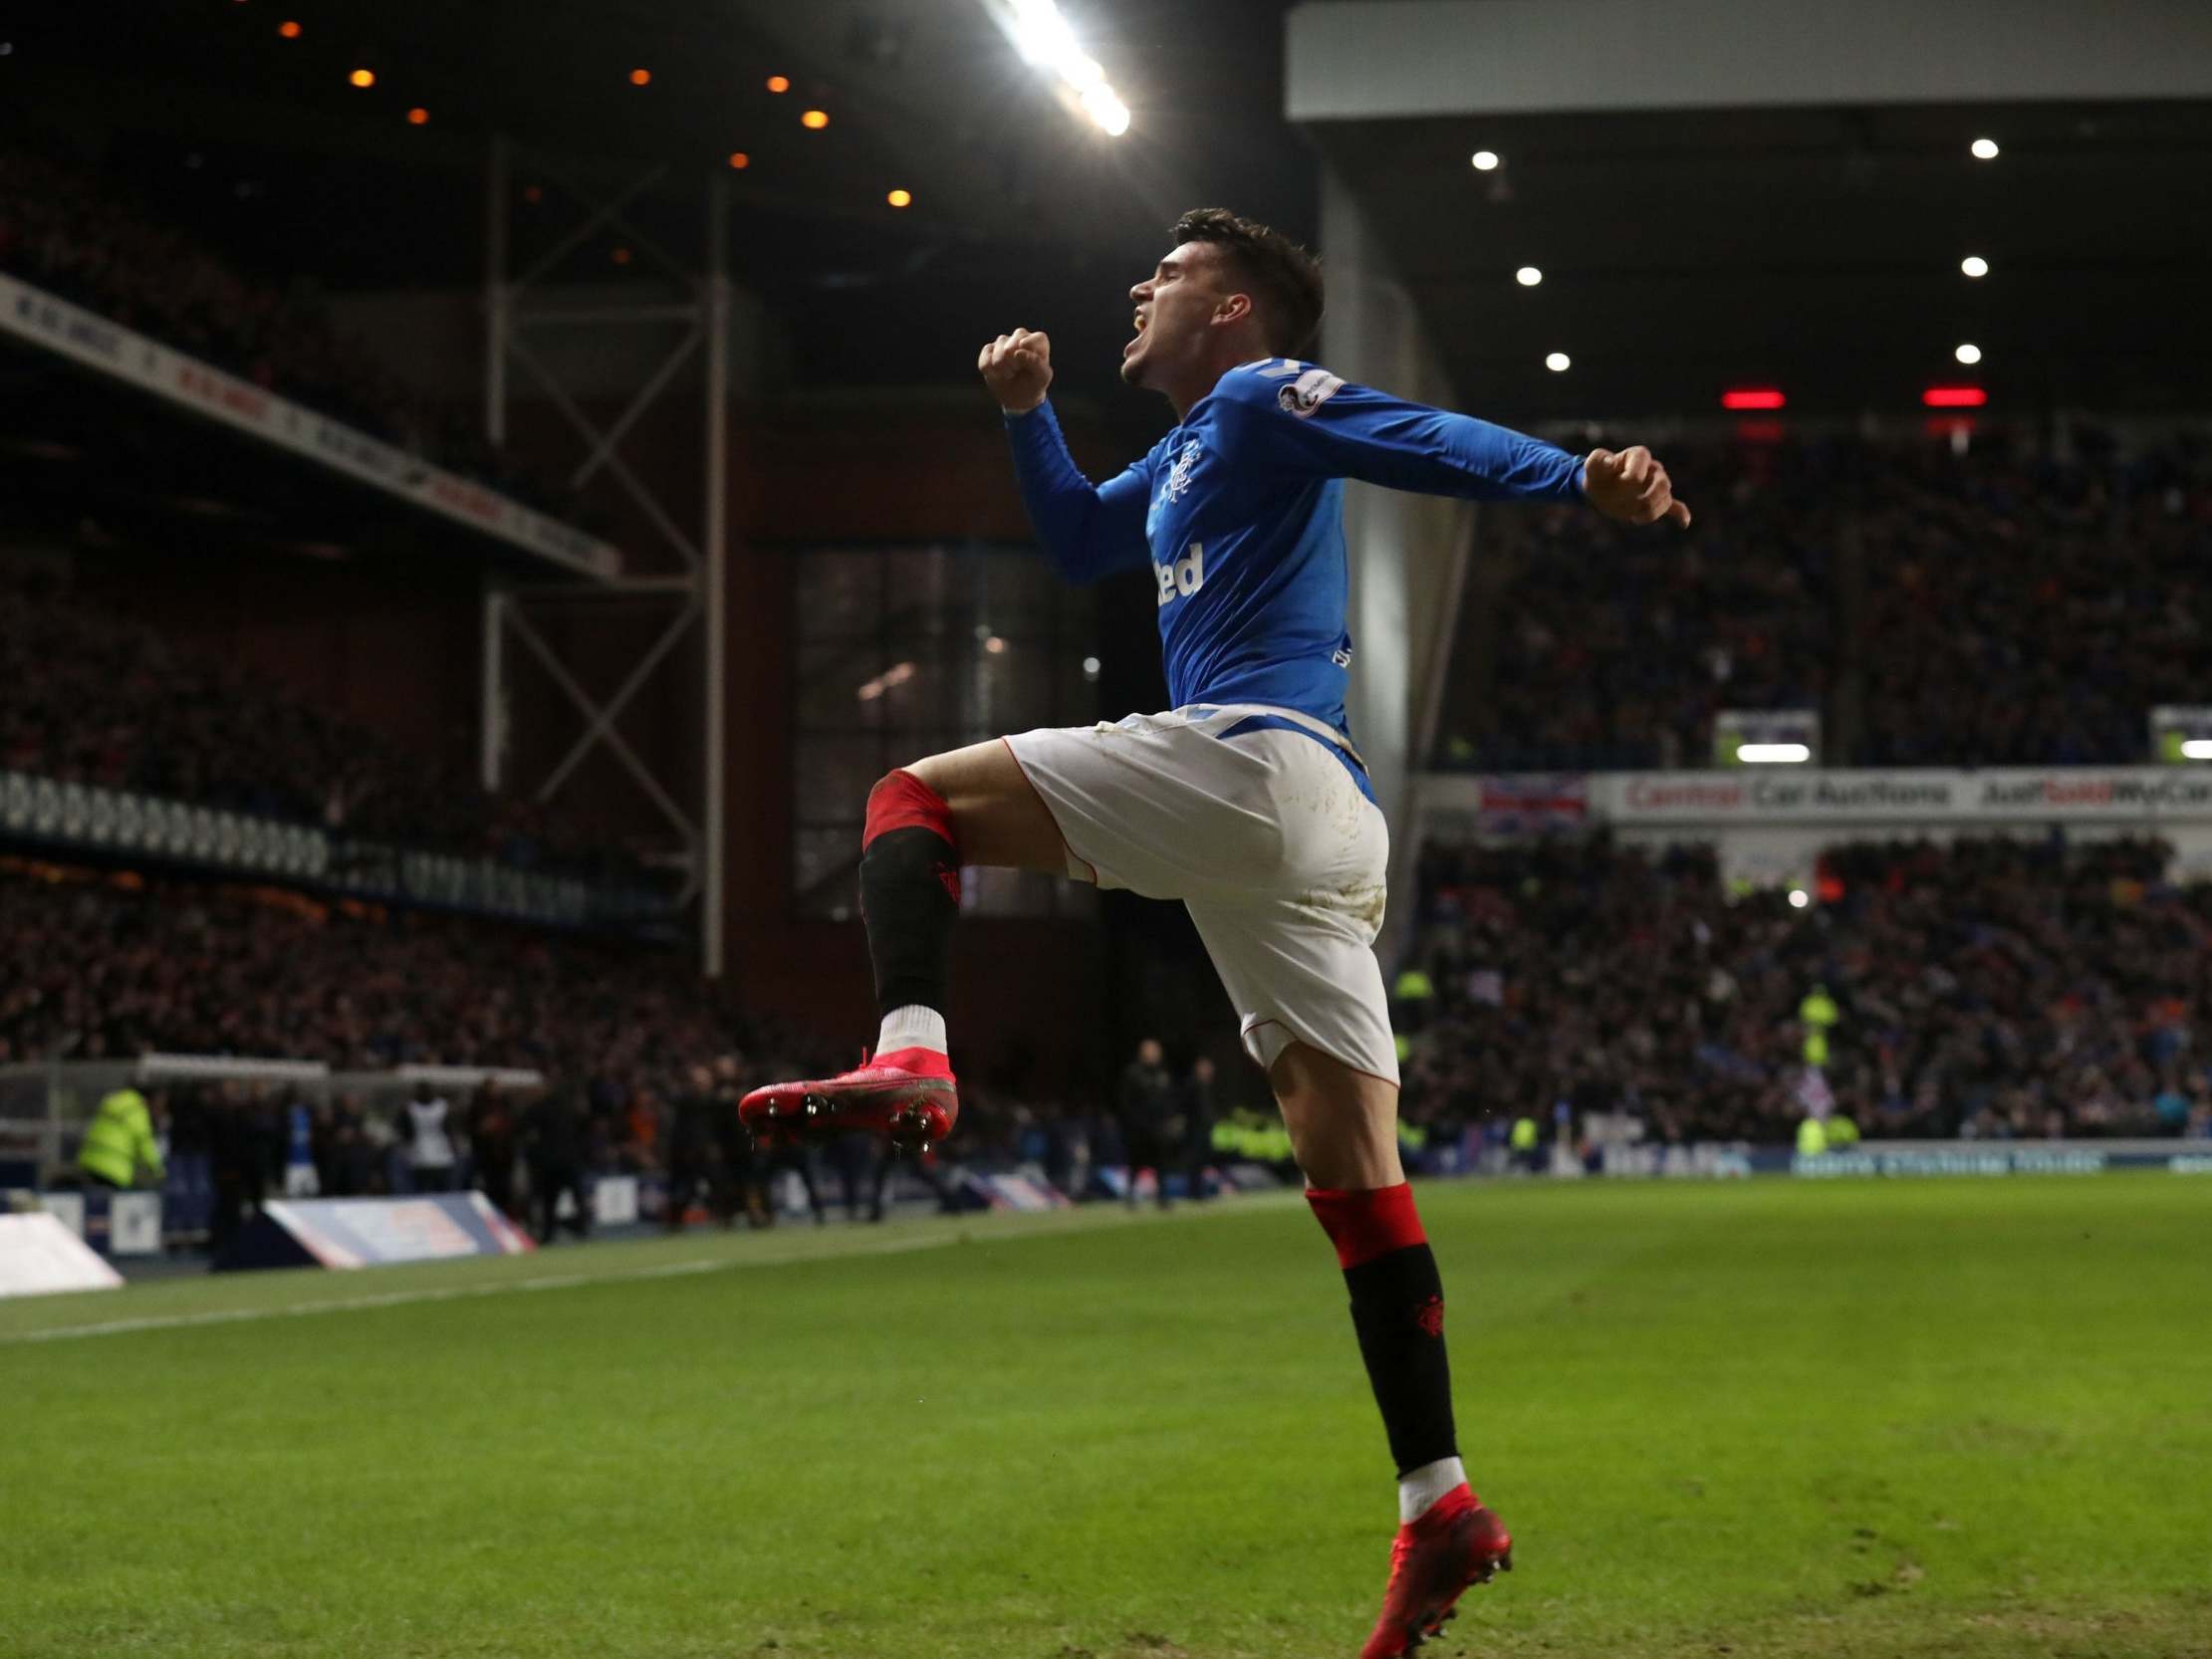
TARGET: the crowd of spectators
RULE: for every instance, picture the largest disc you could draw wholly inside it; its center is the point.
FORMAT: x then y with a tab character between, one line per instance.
97	699
2003	605
2023	611
76	233
110	968
1989	988
1614	646
102	968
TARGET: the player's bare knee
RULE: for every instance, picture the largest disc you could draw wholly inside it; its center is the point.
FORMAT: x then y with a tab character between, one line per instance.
1343	1122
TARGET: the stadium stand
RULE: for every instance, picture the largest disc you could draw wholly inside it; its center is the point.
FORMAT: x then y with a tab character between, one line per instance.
1990	988
97	966
77	234
2001	607
2028	611
98	698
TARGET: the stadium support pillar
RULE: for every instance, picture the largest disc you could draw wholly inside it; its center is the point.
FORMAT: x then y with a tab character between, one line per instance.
687	585
1408	553
715	557
492	720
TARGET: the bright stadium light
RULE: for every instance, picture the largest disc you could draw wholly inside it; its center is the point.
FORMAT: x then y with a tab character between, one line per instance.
1985	149
1046	39
1528	276
1968	353
1559	363
1974	264
2196	749
1486	160
1773	754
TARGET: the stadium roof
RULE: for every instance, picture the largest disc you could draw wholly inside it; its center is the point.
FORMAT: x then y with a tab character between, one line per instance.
1813	251
1683	253
1015	204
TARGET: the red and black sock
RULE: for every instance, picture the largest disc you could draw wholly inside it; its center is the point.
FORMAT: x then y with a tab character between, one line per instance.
909	891
1397	1310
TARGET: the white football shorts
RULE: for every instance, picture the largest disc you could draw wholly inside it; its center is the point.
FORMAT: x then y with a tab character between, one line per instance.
1264	835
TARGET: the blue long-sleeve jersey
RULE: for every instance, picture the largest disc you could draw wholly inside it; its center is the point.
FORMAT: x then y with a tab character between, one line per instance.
1240	511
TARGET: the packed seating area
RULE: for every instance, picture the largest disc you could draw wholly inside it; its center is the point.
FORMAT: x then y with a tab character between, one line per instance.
98	698
2001	607
75	232
94	968
110	966
2027	611
1988	988
1615	646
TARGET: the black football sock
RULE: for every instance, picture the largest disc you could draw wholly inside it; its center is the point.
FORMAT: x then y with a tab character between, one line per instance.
1397	1311
909	892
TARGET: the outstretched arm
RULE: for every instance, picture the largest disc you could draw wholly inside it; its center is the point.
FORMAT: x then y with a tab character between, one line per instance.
1088	531
1320	423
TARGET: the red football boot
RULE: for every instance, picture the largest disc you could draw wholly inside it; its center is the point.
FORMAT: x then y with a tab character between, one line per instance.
1456	1544
906	1095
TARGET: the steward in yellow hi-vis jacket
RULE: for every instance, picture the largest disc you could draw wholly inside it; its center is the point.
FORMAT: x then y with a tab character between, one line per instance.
121	1140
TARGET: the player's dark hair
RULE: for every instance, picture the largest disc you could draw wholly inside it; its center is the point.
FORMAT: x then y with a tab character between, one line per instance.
1285	279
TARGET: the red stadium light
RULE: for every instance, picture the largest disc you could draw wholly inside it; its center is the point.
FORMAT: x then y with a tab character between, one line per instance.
1954	397
1751	397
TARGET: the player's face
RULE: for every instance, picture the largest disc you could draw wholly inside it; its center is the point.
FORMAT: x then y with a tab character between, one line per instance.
1176	306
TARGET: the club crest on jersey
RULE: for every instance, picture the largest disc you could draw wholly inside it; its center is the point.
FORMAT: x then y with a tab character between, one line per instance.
1307	393
1178	475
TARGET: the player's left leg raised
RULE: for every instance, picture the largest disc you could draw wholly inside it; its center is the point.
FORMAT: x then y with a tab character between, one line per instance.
922	820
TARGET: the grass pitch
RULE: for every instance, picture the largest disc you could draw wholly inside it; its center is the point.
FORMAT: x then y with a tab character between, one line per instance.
1883	1419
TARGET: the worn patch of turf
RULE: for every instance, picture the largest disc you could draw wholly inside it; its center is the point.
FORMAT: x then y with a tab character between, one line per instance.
1766	1419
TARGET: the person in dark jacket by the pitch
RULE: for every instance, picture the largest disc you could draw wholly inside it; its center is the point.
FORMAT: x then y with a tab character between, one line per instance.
237	1163
494	1135
690	1144
1147	1115
556	1150
740	1184
1198	1116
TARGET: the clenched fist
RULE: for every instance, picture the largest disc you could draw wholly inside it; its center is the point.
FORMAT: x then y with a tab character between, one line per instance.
1631	487
1017	368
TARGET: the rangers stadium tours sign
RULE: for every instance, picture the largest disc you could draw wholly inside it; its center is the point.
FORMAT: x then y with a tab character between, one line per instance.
31	313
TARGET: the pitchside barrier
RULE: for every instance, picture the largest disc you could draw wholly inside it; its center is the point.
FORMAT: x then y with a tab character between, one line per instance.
347	1233
40	1257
